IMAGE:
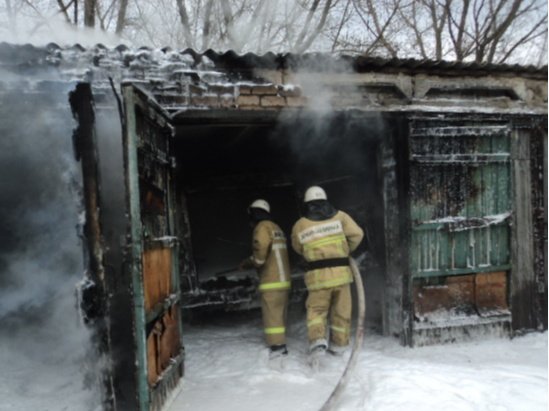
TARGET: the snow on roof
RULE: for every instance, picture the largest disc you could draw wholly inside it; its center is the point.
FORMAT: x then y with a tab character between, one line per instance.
27	57
213	79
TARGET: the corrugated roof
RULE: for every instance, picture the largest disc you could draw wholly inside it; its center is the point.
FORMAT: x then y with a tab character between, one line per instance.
29	57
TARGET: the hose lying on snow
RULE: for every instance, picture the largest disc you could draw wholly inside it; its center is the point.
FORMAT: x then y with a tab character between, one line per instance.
359	337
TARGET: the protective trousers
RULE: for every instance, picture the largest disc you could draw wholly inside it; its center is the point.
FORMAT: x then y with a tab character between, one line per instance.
273	308
338	301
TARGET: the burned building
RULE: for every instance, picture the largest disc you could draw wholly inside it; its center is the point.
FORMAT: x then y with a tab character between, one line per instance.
443	164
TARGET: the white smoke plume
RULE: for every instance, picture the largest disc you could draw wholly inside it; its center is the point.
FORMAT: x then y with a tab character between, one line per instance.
45	347
41	30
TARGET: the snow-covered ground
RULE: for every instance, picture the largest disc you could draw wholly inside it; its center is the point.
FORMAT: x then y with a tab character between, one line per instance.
226	368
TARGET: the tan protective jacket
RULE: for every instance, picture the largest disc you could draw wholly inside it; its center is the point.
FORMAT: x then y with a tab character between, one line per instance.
334	237
270	256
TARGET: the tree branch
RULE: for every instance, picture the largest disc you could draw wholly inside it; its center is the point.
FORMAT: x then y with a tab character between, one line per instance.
121	18
318	29
457	40
413	24
305	29
379	31
89	13
206	26
341	23
63	9
184	18
526	38
228	20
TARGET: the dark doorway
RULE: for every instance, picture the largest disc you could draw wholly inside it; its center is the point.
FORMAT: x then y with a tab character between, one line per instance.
226	163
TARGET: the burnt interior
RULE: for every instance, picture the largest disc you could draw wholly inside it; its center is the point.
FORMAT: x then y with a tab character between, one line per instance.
224	166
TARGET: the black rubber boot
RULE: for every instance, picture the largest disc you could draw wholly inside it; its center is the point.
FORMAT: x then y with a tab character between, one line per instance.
277	351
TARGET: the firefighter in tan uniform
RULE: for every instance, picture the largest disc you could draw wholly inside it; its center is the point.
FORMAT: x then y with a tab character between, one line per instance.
325	236
270	258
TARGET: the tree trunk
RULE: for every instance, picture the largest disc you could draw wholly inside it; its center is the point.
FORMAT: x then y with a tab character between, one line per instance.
89	13
206	26
121	19
63	10
184	18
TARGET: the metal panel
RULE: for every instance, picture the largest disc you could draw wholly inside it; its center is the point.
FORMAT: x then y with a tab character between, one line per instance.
153	249
460	198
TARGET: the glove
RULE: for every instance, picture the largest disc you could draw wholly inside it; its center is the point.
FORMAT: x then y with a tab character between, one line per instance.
246	264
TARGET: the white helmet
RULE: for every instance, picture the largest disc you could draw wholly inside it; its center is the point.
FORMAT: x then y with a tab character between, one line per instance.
259	203
315	193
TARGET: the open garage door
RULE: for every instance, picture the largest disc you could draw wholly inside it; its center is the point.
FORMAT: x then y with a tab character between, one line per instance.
152	248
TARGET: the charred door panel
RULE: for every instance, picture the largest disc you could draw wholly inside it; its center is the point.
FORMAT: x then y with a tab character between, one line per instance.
153	249
461	209
95	296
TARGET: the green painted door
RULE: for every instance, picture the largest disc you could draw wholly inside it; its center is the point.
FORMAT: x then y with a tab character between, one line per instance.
460	193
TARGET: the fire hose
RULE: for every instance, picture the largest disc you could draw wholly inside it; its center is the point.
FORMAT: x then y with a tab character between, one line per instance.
331	402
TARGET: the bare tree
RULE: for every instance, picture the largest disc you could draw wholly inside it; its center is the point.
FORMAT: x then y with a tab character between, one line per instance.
492	31
484	30
261	12
184	16
343	21
89	12
107	13
207	26
379	21
417	24
121	18
310	30
228	19
11	16
63	9
457	28
494	20
437	20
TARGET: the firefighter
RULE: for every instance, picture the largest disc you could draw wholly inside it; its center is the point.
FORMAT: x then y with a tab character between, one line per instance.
270	258
325	237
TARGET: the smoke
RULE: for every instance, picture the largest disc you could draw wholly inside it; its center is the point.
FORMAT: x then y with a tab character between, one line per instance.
44	344
243	26
335	143
44	29
326	138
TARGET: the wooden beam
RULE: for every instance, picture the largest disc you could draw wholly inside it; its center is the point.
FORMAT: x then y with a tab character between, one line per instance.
523	283
95	296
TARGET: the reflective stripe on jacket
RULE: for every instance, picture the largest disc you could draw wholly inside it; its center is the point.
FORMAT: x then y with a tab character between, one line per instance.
334	237
270	256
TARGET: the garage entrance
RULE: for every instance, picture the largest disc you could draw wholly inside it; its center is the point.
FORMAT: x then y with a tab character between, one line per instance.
186	183
225	160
